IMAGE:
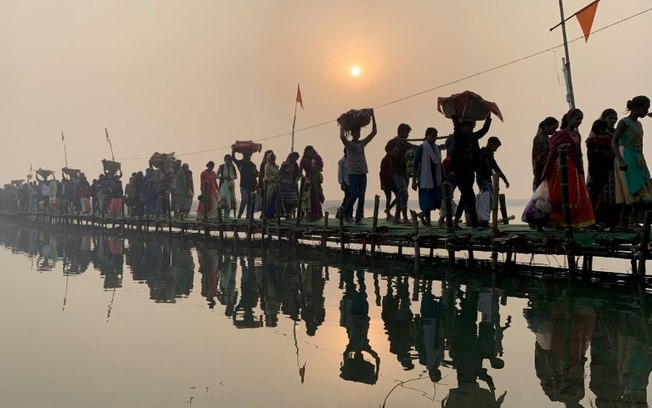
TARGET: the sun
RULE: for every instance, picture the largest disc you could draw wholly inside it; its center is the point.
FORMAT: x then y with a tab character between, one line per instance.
355	71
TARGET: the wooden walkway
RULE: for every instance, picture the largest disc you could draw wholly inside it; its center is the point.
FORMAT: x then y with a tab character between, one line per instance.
377	235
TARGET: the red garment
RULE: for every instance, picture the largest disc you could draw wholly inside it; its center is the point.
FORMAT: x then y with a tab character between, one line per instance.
207	178
580	203
571	138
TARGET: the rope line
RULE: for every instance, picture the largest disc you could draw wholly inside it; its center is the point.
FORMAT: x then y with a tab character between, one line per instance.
414	95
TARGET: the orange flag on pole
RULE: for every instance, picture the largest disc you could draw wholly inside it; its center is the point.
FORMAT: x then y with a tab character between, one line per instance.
62	139
299	99
585	18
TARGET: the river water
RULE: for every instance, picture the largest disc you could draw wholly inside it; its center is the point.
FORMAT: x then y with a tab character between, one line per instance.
99	320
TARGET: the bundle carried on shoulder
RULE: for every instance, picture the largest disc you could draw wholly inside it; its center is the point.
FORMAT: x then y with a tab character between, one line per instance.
110	166
467	105
162	160
44	173
246	147
72	173
355	118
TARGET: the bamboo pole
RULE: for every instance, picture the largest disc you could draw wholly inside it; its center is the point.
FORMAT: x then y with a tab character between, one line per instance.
374	224
494	222
565	206
450	228
415	240
503	209
494	206
645	240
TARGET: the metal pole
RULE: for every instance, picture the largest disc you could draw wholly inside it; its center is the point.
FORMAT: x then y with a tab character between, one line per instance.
567	66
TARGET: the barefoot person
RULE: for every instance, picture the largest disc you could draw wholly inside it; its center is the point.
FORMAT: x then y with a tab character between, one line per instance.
633	187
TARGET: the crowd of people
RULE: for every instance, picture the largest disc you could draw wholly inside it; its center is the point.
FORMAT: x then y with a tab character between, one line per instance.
613	194
617	188
162	191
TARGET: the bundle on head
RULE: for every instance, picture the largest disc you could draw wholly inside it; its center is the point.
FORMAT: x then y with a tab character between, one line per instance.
354	119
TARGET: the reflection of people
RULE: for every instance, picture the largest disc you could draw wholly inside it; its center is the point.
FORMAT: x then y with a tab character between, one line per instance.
397	317
182	267
243	316
431	354
227	293
210	275
621	361
354	316
562	339
271	300
490	333
313	311
467	355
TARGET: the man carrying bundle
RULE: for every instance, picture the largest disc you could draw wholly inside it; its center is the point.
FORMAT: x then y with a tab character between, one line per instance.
248	180
356	162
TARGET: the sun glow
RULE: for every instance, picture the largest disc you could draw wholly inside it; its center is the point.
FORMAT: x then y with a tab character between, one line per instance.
355	71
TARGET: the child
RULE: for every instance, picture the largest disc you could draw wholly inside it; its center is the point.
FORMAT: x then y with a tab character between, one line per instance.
485	170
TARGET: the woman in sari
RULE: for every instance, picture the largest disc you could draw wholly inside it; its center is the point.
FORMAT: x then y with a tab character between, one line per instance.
541	148
288	177
208	200
580	204
227	174
633	187
600	182
313	194
271	186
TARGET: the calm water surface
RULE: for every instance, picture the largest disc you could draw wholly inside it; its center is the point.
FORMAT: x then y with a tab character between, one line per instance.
95	320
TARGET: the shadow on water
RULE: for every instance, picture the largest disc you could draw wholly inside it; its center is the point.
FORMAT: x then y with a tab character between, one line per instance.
442	327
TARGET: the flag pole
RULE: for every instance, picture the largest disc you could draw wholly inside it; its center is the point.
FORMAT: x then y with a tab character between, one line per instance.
297	101
65	153
570	96
294	122
108	139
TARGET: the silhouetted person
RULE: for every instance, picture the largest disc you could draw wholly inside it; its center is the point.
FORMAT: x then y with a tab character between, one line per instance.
354	316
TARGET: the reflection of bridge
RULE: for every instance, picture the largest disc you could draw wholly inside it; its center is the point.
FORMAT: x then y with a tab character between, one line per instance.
376	235
430	319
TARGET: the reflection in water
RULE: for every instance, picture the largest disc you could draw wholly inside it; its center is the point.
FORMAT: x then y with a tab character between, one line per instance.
354	317
618	335
448	330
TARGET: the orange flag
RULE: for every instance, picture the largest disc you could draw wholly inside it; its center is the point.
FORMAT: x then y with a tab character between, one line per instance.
62	139
107	135
585	18
299	99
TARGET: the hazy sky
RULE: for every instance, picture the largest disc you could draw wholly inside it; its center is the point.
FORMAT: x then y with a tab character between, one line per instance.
193	76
